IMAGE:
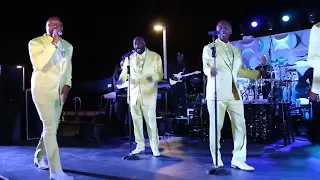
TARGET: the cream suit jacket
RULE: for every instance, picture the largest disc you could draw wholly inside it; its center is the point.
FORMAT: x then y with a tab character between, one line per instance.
314	56
224	68
49	75
138	84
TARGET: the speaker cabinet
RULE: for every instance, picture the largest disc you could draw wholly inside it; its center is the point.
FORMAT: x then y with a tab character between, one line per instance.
11	103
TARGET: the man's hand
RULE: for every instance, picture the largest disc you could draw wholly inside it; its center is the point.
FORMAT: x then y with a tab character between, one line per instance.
213	72
120	81
55	37
149	79
65	92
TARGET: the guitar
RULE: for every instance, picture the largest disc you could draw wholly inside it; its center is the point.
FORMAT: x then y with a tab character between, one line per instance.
313	97
179	76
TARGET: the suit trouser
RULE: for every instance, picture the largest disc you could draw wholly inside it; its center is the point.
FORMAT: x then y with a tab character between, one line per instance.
138	112
235	110
49	112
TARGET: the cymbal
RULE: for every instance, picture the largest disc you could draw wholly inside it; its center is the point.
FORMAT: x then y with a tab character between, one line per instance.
291	70
287	65
301	63
283	80
279	60
242	79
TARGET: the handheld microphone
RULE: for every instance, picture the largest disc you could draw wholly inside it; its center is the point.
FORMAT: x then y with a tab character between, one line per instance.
60	32
127	54
214	33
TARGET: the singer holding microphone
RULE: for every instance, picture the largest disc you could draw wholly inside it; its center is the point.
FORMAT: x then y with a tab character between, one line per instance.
50	56
228	66
145	73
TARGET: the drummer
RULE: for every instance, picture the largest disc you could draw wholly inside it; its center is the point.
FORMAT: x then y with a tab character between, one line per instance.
264	67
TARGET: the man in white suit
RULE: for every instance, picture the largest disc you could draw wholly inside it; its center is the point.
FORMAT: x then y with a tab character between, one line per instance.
50	56
229	65
313	61
145	73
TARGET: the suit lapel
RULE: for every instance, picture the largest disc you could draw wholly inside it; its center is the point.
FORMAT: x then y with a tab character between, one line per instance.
224	56
64	55
235	57
146	60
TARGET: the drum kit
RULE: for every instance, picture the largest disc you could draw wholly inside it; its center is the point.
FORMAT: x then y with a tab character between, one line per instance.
277	87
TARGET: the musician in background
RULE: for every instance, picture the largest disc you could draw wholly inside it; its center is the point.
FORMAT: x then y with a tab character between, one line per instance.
313	61
120	103
265	68
178	90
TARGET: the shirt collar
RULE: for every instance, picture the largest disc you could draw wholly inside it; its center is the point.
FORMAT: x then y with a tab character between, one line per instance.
143	54
227	44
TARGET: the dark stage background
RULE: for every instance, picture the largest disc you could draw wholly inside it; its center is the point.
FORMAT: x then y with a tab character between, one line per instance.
101	33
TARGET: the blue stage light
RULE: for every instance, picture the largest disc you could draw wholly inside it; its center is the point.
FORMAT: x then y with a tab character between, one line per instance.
285	18
254	24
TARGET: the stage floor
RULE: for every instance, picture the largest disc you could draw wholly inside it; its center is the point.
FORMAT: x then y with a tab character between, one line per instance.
182	159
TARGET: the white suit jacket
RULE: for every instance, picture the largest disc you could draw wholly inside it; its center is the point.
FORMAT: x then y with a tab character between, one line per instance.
52	67
152	66
314	56
228	67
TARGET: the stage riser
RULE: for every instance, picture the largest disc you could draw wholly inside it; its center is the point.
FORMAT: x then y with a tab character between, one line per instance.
263	123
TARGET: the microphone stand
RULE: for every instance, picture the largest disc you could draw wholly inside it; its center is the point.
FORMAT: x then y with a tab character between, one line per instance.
216	170
129	156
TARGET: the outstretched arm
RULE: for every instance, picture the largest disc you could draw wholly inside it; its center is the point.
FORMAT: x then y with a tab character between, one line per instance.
247	73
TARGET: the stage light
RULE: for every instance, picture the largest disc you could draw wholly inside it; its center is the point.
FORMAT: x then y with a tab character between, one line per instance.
241	30
311	18
254	24
158	27
270	26
19	67
285	18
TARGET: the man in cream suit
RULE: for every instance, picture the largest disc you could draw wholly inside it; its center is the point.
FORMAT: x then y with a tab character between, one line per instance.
50	56
145	73
229	65
313	61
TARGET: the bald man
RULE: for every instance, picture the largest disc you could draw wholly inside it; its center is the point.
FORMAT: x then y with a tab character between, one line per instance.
266	68
228	66
145	73
50	56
